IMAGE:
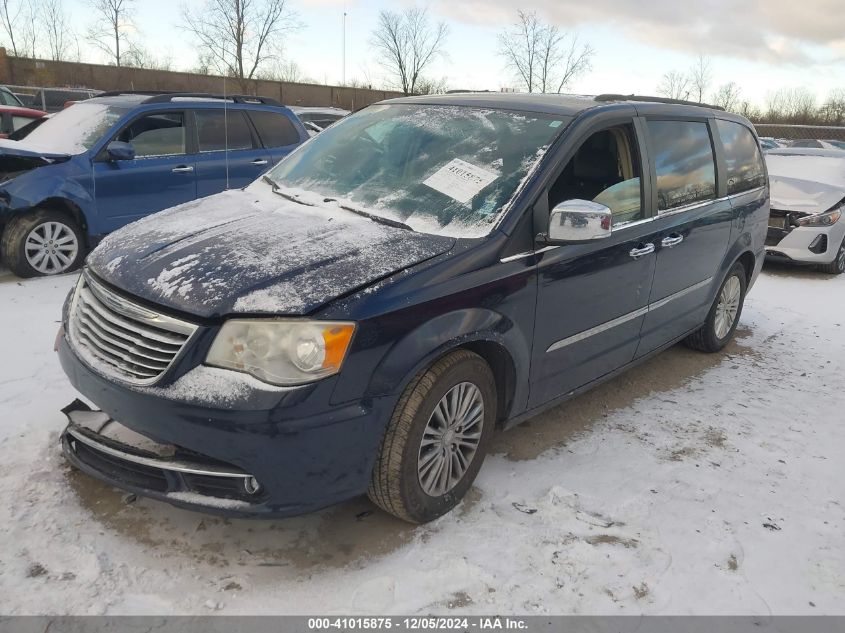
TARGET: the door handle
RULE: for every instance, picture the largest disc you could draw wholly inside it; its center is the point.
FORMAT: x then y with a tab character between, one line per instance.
644	250
183	169
259	161
672	240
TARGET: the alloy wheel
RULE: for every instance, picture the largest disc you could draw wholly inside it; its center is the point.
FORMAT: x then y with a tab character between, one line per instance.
450	439
51	248
728	306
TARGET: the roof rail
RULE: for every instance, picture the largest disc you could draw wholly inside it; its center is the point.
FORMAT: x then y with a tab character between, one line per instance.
164	96
616	97
118	93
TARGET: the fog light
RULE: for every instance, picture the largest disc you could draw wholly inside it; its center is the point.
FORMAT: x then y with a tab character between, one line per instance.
251	485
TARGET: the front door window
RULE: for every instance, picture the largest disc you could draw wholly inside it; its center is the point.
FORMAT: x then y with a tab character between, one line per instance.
160	134
605	169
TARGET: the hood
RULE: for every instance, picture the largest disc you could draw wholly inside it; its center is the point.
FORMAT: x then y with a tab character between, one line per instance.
16	159
22	149
806	183
254	252
804	196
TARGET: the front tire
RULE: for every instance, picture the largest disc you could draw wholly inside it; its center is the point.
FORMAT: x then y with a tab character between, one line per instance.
724	315
837	266
436	439
42	243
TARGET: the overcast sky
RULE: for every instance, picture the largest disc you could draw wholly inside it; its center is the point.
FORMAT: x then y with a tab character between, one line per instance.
760	44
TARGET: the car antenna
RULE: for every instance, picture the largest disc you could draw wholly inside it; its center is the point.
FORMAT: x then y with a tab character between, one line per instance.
226	132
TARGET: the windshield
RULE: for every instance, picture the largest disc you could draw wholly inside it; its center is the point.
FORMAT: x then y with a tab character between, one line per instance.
446	170
74	130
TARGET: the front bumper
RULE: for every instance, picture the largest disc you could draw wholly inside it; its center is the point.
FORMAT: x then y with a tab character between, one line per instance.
304	453
804	244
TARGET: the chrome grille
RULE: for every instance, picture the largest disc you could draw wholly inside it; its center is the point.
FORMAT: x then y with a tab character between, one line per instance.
122	338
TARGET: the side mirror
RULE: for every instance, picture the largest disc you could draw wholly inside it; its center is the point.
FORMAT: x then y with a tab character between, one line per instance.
579	221
118	150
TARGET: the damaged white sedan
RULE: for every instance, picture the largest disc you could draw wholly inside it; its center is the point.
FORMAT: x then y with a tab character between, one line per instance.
807	196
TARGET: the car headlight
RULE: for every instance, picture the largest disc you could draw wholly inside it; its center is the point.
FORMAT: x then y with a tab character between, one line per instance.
282	352
820	219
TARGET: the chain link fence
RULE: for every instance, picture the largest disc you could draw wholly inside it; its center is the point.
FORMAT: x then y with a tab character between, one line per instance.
50	99
795	132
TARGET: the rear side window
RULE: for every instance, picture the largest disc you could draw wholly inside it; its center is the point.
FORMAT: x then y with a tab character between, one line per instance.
274	128
218	130
683	158
742	157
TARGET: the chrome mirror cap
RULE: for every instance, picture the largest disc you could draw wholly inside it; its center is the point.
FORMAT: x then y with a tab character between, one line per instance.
578	221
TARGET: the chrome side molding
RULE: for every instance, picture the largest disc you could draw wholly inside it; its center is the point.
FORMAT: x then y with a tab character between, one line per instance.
603	327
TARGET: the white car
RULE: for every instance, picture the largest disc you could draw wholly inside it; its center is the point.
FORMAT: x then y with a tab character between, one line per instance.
807	196
316	120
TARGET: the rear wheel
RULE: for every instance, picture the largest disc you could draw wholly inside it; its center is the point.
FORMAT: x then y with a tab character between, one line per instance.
42	243
436	440
837	266
724	315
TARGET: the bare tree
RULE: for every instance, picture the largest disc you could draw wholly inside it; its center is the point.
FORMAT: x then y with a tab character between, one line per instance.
727	96
520	46
833	110
792	105
675	85
20	22
426	86
30	32
10	13
57	29
700	77
238	36
137	56
283	70
406	44
750	111
110	29
543	57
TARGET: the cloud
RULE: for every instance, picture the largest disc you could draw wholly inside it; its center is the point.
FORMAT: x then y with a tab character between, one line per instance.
774	31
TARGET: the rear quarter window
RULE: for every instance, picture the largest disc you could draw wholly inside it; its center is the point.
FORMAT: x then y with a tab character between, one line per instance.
742	157
274	128
683	159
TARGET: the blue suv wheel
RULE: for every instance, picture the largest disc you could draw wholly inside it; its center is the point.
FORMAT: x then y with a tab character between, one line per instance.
42	243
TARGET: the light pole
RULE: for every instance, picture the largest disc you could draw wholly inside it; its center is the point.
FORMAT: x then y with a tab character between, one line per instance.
343	74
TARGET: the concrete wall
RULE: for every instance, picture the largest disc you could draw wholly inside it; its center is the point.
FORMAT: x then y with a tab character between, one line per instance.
39	72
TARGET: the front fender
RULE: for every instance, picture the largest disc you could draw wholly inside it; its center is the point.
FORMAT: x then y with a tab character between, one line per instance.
64	181
423	345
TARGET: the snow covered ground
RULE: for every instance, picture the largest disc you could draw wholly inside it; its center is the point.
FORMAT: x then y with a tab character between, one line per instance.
706	484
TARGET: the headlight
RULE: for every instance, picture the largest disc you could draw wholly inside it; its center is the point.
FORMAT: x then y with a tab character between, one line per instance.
820	219
282	352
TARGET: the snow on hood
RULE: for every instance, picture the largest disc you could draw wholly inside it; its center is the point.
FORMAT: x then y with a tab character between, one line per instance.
806	183
252	251
19	148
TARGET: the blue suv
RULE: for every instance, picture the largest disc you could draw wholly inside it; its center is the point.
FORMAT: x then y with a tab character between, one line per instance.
108	161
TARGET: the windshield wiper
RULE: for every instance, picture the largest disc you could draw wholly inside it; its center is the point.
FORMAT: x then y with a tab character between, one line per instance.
284	194
376	218
370	216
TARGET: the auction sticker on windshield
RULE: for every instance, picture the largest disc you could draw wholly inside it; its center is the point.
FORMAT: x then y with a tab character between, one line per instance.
460	180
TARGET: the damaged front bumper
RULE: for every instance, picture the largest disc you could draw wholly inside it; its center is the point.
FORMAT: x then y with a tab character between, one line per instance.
105	449
304	453
788	242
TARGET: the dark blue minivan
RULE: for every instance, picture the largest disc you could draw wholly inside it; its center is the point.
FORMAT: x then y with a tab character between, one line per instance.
107	161
367	314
